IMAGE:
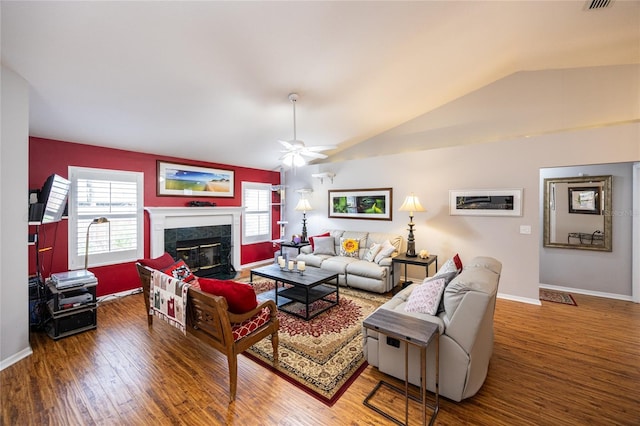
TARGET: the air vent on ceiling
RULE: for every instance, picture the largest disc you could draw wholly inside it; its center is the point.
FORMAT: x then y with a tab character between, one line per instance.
597	4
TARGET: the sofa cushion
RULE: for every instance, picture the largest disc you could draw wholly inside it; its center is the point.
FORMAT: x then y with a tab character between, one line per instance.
451	265
386	250
398	305
311	259
349	247
338	264
370	255
426	297
367	269
240	297
356	235
448	277
324	245
312	239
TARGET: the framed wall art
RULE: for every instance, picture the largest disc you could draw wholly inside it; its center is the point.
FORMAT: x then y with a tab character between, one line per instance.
194	181
584	200
375	204
485	202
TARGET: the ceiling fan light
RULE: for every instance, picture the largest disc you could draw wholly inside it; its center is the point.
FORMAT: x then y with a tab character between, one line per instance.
298	161
287	160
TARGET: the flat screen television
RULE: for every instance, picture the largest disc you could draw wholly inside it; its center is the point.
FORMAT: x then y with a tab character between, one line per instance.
53	197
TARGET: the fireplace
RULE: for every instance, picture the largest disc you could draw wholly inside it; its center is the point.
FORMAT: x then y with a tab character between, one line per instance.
205	249
219	225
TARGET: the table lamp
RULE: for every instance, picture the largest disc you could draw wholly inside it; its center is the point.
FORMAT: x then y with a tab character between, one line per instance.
97	220
303	206
411	204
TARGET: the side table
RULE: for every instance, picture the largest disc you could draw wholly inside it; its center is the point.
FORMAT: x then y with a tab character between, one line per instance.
413	331
291	244
403	259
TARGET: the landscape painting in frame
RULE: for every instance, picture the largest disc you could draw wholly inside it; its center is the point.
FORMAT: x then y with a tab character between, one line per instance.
193	181
485	202
373	204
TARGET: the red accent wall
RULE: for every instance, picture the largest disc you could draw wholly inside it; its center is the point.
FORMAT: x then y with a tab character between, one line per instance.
48	156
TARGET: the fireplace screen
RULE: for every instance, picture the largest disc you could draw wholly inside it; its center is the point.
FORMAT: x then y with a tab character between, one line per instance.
199	255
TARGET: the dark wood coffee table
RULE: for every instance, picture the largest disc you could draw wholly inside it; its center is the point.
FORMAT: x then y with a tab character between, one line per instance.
315	284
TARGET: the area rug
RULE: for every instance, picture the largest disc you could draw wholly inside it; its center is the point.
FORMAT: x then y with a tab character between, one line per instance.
557	297
322	356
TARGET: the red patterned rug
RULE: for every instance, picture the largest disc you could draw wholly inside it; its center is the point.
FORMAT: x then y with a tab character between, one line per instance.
322	356
557	297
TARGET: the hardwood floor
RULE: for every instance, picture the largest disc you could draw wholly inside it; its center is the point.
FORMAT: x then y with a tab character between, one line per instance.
552	365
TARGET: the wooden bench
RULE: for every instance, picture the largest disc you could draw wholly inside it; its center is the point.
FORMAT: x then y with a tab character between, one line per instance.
209	320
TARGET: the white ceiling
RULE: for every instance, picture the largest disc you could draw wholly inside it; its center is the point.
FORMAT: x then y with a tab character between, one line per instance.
210	80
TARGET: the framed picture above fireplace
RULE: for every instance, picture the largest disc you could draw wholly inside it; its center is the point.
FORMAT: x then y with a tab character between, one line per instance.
193	181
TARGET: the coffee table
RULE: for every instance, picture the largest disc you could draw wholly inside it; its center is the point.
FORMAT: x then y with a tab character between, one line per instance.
315	284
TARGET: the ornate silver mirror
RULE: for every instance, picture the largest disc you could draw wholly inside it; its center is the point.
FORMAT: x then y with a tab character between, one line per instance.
577	212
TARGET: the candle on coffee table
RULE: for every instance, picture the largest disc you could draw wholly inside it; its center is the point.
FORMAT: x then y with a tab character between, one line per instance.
301	265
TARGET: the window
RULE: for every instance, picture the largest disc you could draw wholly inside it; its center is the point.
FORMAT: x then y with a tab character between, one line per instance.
115	195
256	219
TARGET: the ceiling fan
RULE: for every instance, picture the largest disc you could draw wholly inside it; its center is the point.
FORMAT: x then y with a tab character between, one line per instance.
295	150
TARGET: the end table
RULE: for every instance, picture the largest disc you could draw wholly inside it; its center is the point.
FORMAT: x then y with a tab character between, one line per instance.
403	259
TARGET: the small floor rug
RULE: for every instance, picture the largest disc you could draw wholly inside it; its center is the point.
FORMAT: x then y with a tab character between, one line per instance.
322	356
557	297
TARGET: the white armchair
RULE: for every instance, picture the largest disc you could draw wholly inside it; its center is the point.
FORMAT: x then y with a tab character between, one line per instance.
466	333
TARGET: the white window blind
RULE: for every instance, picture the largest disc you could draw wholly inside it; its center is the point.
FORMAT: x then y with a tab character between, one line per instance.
256	219
113	194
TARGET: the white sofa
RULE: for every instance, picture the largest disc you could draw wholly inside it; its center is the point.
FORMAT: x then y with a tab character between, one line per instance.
356	271
466	333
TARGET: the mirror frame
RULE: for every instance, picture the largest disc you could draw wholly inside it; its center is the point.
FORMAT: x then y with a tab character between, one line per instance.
605	209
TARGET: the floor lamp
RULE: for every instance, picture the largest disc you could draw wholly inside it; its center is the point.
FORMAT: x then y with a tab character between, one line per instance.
97	220
303	205
411	204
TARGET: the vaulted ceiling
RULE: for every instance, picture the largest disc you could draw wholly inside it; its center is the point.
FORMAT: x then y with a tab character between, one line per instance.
210	80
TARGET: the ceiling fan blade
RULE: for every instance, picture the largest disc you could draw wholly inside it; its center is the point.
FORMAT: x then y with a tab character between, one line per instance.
286	144
320	148
313	154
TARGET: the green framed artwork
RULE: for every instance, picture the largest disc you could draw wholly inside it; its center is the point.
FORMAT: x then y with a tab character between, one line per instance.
372	204
193	181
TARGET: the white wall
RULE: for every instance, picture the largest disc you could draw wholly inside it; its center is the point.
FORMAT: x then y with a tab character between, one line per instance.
432	173
14	177
594	272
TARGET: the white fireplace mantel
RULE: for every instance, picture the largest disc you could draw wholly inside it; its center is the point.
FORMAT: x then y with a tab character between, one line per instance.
161	218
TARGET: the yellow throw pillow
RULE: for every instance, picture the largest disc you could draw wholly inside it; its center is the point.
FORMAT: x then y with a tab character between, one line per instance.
349	247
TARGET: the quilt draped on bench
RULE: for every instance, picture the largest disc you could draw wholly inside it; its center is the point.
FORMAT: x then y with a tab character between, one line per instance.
168	299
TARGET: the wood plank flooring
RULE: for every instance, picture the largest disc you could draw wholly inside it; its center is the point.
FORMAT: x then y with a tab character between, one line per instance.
552	365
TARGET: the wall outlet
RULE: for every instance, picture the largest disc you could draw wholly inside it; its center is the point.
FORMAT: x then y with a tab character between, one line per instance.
525	229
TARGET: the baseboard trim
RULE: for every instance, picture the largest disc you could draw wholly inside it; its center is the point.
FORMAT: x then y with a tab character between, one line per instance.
16	357
519	299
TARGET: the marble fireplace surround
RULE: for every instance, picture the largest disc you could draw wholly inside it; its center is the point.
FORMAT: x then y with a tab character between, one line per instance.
161	218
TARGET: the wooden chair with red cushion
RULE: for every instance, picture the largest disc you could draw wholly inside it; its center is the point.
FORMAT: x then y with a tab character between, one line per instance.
209	319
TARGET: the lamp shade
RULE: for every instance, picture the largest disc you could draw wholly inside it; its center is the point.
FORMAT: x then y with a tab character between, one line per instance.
411	204
303	205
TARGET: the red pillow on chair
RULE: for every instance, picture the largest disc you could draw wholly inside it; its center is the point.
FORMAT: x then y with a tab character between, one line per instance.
240	297
158	263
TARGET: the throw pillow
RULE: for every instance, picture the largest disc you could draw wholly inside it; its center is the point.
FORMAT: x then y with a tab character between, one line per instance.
371	253
349	247
159	263
448	277
386	250
180	271
324	245
312	239
450	265
240	297
426	297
